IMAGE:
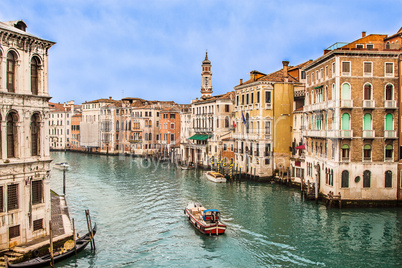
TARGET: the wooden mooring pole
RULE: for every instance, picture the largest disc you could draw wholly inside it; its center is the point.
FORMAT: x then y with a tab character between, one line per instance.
90	230
51	245
75	244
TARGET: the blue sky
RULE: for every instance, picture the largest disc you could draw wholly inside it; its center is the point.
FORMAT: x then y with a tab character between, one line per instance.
154	49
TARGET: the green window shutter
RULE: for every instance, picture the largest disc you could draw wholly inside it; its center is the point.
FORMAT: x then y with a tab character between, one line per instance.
367	122
389	122
345	92
345	122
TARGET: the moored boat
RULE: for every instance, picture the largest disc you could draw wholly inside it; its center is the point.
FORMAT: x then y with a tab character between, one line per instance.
61	165
58	255
207	221
215	176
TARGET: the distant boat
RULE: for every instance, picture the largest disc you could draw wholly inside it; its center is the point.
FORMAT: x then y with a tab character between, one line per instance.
207	221
215	176
61	165
44	261
186	167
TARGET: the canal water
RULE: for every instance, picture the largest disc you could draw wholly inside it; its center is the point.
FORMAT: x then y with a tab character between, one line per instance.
138	207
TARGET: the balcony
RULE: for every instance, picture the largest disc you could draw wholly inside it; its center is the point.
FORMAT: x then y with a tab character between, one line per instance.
369	134
316	133
346	134
367	159
368	104
318	106
390	134
390	104
346	103
268	106
333	134
345	159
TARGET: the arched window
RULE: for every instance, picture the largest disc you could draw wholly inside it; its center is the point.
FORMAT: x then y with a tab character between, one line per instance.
117	126
35	134
146	136
389	122
388	45
367	122
345	179
345	92
345	121
34	75
388	179
11	59
150	136
333	91
366	178
247	123
345	152
389	152
12	134
367	92
389	92
129	125
367	152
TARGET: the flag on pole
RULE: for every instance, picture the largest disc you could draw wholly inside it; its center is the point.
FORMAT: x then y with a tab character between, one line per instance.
244	119
234	123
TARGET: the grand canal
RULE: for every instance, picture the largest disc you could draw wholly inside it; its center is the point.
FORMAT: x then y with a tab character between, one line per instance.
138	206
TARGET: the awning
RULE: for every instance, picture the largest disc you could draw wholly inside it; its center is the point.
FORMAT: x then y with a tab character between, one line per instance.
318	87
301	147
199	137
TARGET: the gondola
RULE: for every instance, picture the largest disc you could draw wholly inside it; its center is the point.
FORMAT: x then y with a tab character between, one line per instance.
44	261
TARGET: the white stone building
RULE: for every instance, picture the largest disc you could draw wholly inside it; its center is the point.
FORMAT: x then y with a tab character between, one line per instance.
24	151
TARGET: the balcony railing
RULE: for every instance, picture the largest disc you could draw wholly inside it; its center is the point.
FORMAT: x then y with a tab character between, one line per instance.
331	104
346	103
367	159
390	134
345	158
346	133
368	133
368	104
390	104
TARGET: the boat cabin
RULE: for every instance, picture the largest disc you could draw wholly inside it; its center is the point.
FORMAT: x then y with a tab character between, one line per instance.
216	175
211	215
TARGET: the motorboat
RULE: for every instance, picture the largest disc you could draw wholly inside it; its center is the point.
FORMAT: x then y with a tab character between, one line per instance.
61	165
215	176
207	221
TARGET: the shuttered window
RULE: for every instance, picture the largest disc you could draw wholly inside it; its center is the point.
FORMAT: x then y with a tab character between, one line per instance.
37	192
346	68
14	231
38	224
12	197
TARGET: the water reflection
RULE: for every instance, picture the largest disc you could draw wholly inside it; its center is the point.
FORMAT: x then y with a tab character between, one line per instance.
139	204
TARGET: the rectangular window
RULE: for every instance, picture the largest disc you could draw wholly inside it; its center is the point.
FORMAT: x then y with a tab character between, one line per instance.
252	97
1	199
267	97
172	126
370	46
38	225
12	197
268	127
171	138
237	100
359	46
367	68
225	147
37	192
242	99
389	69
333	68
303	75
345	67
247	99
172	116
14	231
326	71
226	108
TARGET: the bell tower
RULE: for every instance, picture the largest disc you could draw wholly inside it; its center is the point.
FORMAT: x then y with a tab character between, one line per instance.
206	87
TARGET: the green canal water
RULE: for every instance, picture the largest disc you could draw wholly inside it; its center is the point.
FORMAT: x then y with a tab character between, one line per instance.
138	206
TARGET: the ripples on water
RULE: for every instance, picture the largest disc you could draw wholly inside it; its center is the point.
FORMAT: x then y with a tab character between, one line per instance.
138	207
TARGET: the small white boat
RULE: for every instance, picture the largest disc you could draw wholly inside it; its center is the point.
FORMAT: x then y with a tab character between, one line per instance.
184	167
215	176
61	165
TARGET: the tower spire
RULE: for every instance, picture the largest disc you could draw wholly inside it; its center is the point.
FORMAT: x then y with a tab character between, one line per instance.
206	87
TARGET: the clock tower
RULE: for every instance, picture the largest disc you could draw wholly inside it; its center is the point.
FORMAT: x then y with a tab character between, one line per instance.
206	87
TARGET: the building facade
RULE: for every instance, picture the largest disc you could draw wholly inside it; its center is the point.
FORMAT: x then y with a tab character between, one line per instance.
24	151
264	119
351	118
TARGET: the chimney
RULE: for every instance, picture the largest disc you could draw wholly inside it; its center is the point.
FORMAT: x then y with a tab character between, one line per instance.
110	98
241	81
363	34
285	70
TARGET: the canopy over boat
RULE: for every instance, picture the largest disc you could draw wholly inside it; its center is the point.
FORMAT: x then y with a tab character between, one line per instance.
208	210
